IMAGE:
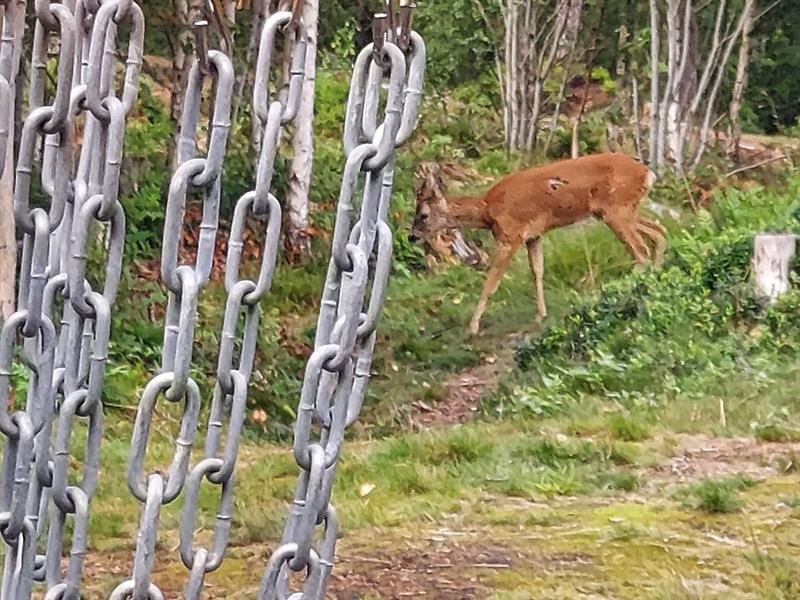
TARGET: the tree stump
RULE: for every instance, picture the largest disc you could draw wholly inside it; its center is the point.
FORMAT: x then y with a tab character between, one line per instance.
772	258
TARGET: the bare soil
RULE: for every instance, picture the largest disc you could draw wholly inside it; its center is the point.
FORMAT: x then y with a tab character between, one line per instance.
463	392
700	456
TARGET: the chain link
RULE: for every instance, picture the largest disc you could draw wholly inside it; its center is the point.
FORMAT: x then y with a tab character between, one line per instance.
229	402
202	174
61	330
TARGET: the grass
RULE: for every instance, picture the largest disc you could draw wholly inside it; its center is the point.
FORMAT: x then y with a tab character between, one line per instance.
720	496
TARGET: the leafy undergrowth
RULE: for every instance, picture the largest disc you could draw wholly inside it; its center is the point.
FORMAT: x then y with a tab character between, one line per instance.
684	346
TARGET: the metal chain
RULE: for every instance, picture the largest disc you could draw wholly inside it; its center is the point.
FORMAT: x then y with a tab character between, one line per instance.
63	322
31	326
93	200
184	282
338	370
244	296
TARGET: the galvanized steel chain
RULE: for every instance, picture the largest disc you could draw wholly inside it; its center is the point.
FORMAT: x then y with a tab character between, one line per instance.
338	370
244	297
93	203
60	332
29	335
184	282
63	322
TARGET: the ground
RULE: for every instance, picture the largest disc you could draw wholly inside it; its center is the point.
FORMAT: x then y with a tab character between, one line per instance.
459	525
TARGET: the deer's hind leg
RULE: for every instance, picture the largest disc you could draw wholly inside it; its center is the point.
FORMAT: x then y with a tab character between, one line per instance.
503	253
536	261
657	234
626	231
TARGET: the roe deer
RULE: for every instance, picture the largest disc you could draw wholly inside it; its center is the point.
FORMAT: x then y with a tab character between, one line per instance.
522	206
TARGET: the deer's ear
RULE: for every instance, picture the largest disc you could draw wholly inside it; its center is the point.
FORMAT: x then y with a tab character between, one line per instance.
440	183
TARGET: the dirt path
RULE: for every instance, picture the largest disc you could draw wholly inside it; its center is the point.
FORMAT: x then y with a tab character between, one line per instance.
464	391
699	456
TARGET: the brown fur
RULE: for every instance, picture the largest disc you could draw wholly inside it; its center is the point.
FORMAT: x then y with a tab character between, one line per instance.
523	206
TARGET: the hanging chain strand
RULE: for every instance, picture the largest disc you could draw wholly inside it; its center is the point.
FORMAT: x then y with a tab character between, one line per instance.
337	372
31	325
184	282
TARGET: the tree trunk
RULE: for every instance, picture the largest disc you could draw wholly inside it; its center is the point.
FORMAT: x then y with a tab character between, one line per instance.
637	126
572	20
246	76
673	37
690	115
180	40
772	258
297	240
683	83
15	13
711	100
537	36
655	41
740	84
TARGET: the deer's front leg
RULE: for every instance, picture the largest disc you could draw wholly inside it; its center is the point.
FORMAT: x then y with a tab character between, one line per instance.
501	258
536	260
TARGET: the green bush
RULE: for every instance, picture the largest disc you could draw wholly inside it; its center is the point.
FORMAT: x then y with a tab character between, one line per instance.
697	317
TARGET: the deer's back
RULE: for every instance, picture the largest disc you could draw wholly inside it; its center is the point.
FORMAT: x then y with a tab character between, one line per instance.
564	192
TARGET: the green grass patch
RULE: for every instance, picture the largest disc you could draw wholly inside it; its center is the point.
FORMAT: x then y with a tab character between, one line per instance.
720	496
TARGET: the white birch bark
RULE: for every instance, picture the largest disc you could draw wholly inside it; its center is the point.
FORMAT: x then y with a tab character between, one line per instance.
772	258
637	125
740	84
537	35
8	244
672	67
675	108
711	100
710	61
303	146
655	50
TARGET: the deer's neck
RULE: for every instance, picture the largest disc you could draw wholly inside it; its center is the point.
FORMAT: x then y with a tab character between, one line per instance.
467	212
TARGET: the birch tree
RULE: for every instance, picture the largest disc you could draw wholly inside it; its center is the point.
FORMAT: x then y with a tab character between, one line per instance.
740	84
296	240
682	111
537	35
10	53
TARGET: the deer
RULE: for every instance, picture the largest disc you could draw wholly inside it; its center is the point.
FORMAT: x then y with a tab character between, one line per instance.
522	206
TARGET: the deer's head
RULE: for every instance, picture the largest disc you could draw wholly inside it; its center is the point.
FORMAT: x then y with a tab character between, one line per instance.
431	214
